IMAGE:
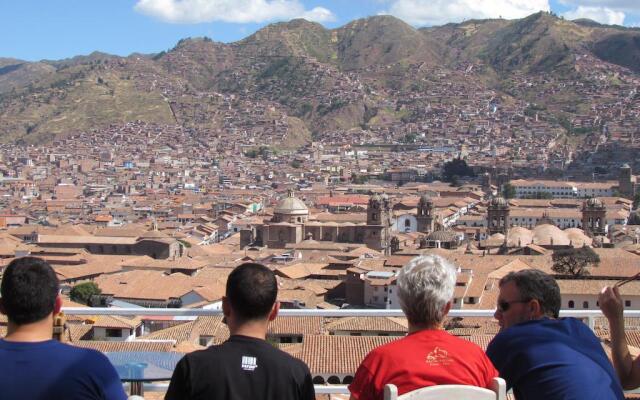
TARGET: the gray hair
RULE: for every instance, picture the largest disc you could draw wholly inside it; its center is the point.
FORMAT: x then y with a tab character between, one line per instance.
534	284
425	286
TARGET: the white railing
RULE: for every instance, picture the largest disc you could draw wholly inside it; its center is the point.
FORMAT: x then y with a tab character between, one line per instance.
588	315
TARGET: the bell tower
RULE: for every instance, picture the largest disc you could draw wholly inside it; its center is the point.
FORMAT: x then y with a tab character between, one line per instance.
377	232
594	221
498	216
425	214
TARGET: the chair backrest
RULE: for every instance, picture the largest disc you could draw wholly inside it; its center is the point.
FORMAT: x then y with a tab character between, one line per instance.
446	392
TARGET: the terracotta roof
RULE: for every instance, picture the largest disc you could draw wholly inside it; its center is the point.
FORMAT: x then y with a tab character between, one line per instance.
369	324
481	340
300	270
87	239
338	354
594	286
114	321
106	347
295	325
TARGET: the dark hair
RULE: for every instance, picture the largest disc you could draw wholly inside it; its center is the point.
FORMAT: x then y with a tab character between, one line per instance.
29	290
534	284
252	290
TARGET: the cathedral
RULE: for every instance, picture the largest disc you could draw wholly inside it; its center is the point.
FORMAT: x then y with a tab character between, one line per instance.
291	224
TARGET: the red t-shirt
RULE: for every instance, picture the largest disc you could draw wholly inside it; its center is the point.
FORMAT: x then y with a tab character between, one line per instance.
424	358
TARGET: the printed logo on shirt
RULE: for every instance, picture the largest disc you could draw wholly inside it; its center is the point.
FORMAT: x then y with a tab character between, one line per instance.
438	357
249	363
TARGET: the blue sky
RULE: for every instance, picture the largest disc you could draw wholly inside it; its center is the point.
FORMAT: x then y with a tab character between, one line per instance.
56	29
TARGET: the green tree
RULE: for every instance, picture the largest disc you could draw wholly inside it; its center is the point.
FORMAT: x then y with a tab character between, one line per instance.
409	138
574	261
456	167
296	164
636	201
83	292
359	179
508	191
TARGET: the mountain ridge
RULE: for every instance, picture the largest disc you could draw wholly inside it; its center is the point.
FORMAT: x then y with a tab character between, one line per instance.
298	67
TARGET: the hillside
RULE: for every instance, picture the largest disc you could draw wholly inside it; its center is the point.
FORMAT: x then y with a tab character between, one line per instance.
361	75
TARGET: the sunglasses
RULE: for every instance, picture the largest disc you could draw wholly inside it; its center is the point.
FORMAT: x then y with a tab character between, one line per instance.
504	306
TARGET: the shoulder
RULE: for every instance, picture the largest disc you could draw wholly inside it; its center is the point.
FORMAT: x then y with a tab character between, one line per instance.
285	358
87	355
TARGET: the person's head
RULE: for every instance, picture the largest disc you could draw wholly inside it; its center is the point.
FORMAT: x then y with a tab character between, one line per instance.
251	293
425	289
527	295
29	291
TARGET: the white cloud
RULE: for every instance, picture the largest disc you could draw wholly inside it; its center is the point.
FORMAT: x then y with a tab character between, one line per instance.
235	11
603	15
438	12
622	5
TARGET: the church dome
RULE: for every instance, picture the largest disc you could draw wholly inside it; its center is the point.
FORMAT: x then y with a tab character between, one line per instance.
498	202
519	236
425	200
442	236
291	205
577	237
547	235
593	203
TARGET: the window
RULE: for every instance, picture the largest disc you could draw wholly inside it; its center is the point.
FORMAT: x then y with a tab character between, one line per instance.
585	304
407	223
571	304
627	303
114	333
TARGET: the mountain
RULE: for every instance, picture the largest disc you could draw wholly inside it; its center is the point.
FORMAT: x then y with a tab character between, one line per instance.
318	79
621	48
383	40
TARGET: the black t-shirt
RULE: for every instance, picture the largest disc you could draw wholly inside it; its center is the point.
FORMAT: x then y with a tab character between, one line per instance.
242	368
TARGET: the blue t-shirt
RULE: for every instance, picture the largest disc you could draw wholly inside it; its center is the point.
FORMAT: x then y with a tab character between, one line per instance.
554	359
52	370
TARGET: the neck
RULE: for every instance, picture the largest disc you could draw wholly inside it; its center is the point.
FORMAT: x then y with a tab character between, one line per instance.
422	327
39	331
254	329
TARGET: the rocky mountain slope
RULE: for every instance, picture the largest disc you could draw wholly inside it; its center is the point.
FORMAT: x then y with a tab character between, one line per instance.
355	76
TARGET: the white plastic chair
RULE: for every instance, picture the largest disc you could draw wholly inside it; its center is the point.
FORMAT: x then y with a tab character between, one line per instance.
450	392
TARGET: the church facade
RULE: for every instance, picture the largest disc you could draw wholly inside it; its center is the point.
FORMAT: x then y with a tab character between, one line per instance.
291	224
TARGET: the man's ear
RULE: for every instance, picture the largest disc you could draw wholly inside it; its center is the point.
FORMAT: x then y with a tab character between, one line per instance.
535	309
274	311
57	306
226	307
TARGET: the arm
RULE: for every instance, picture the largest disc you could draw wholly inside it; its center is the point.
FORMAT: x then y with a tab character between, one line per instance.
628	370
307	390
179	387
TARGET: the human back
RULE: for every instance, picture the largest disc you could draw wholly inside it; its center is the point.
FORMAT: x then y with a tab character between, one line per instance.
52	370
554	359
245	366
32	365
428	355
541	355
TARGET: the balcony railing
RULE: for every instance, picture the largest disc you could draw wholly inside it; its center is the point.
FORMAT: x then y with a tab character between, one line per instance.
588	316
